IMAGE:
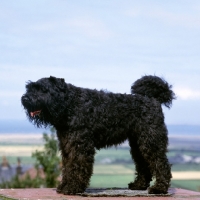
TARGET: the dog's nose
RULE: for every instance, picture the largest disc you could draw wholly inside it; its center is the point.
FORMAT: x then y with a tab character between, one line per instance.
25	99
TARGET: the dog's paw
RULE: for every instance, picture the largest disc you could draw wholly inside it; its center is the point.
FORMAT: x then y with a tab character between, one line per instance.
65	189
60	187
137	186
157	190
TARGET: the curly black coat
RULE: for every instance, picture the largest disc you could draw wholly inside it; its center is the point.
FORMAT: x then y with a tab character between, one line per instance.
87	120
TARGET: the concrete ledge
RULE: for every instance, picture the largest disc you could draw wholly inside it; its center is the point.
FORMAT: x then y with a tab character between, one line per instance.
50	193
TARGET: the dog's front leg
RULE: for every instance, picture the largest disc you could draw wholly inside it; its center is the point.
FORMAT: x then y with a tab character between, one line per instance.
78	152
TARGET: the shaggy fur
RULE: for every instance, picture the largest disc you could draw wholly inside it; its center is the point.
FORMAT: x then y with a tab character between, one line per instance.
87	120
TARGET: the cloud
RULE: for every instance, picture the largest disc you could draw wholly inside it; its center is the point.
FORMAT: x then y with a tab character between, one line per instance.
92	28
187	94
181	19
167	15
9	94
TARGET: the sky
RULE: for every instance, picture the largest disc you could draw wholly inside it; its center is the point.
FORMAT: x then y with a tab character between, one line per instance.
101	45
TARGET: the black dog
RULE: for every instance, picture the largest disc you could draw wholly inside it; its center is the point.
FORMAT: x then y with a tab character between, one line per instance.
87	120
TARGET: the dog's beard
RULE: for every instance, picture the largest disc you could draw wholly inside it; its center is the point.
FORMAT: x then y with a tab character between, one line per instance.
41	112
37	118
42	116
35	113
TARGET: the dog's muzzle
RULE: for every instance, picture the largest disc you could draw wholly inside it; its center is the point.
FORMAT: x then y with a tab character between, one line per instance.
35	113
26	102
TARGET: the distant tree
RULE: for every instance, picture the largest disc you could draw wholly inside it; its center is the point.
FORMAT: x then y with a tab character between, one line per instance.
48	159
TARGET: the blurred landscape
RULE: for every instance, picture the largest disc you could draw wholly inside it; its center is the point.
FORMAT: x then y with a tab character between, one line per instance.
113	166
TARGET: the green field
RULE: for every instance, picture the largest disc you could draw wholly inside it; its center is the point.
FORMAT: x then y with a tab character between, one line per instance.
121	156
123	180
120	175
113	167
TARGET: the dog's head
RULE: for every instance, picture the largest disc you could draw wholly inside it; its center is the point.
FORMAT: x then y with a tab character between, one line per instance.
44	100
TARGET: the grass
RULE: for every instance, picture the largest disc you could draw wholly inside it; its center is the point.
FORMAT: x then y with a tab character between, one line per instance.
187	184
122	181
111	180
5	198
112	175
112	170
186	167
113	155
120	176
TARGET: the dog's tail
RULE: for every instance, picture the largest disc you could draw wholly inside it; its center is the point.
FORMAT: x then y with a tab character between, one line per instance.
153	86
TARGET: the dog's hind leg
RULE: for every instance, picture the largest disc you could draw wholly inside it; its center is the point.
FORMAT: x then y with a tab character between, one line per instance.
162	173
153	148
157	159
78	152
143	174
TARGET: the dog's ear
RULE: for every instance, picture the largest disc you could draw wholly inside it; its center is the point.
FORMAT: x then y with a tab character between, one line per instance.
53	78
59	82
